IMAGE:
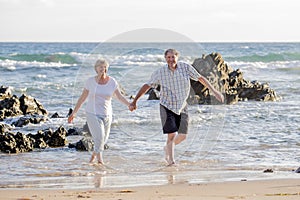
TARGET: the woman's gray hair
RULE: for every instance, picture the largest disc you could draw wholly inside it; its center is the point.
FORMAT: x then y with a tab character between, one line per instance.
101	62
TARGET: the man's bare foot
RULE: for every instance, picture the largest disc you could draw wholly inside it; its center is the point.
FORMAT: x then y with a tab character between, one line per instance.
100	163
172	163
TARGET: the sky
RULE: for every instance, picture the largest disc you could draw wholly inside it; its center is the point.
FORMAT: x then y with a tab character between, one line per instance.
101	20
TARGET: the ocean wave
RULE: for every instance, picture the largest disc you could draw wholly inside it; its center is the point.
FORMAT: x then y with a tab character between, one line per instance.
270	57
45	58
278	65
123	60
13	65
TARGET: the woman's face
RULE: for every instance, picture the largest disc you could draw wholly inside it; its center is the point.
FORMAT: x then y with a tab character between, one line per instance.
101	69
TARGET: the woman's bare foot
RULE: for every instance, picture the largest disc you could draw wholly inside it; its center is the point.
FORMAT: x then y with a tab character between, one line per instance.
100	159
93	157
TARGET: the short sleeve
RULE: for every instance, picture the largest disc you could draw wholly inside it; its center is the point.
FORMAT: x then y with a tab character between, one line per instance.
193	73
154	80
116	85
87	84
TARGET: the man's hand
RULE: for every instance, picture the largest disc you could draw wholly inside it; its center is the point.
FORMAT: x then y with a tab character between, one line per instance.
132	106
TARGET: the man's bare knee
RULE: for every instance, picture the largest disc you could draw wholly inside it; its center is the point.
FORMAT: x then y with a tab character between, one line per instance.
179	138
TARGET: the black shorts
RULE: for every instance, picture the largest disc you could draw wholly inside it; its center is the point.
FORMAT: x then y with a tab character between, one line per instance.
171	122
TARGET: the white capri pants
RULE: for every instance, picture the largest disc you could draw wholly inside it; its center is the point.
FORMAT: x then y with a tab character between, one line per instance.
99	126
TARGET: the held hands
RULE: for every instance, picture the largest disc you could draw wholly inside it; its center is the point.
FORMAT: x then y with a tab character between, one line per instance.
132	106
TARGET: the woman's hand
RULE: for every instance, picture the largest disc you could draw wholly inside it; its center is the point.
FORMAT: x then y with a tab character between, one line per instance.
70	118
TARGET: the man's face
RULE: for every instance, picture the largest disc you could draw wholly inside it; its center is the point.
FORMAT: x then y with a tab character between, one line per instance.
171	59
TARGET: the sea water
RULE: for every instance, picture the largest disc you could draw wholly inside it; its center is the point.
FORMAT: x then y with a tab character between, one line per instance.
225	142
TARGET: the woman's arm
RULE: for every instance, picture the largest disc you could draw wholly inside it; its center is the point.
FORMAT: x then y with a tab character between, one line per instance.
80	101
121	98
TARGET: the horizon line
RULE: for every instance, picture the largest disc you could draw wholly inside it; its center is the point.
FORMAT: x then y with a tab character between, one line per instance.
79	41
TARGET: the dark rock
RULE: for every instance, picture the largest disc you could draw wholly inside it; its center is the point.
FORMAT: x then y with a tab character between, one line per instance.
5	92
268	171
15	143
298	170
10	107
24	143
8	143
33	119
39	143
21	122
30	105
19	142
70	112
46	134
153	94
4	128
74	131
58	138
228	81
38	140
85	144
55	115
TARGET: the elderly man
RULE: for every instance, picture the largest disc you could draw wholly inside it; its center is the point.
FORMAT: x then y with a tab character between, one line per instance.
174	80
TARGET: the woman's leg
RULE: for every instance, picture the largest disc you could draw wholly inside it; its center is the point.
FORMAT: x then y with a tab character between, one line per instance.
93	157
107	124
96	127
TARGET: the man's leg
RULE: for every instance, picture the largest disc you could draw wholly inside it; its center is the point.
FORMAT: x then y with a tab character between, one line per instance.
172	140
182	123
170	148
179	138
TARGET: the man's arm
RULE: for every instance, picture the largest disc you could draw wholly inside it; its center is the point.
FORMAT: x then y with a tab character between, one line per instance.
140	93
215	92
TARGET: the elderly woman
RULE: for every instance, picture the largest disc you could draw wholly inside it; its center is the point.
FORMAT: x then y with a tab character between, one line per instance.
99	90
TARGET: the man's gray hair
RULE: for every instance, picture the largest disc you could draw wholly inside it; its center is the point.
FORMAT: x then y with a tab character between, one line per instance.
174	51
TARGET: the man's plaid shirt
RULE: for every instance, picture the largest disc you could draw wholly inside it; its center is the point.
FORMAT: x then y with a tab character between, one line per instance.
174	86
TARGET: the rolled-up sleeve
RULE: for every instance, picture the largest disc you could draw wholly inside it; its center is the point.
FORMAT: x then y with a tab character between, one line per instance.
154	79
193	73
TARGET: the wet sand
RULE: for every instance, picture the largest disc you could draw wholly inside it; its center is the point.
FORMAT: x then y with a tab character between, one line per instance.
251	190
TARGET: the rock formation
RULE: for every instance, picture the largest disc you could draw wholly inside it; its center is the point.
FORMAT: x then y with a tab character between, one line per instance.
18	142
12	106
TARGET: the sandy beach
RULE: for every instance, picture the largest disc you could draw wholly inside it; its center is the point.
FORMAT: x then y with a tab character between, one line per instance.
251	190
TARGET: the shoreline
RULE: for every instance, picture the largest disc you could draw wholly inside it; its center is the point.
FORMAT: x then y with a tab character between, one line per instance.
252	190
